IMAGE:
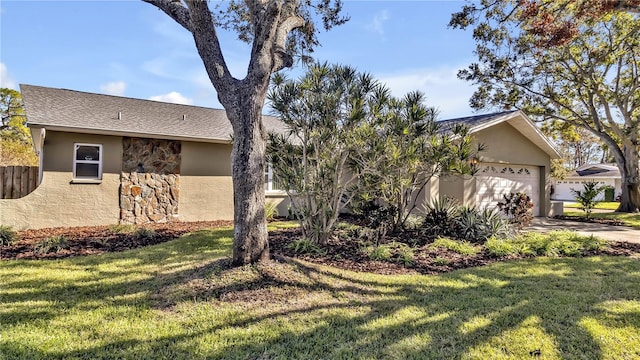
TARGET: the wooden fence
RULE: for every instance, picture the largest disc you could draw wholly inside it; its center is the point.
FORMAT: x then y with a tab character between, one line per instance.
17	181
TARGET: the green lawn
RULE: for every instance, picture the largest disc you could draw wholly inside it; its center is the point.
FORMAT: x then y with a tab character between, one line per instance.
628	218
602	205
179	300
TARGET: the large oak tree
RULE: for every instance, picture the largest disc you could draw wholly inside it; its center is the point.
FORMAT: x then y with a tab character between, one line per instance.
277	30
590	81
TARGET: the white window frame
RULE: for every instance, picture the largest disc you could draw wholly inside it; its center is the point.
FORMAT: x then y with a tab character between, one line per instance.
269	183
76	146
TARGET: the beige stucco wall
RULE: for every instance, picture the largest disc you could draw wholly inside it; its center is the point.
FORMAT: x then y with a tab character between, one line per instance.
504	145
59	202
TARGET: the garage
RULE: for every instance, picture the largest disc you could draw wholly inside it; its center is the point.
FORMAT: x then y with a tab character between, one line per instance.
495	180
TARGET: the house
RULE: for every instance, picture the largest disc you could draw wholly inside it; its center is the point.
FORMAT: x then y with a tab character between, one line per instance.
108	159
604	174
517	158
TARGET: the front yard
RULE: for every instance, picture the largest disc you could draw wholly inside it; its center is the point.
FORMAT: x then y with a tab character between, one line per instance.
181	300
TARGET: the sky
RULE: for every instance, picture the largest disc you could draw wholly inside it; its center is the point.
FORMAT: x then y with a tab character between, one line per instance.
130	48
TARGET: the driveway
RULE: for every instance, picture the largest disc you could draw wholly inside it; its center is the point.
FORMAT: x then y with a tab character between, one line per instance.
606	232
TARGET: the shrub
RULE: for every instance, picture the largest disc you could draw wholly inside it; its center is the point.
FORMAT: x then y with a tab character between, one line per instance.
379	253
500	247
479	225
143	233
122	228
459	247
270	210
304	246
440	217
393	251
377	217
52	244
7	235
440	261
554	243
518	207
587	197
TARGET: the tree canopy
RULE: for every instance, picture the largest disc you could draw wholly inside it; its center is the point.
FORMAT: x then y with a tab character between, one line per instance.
592	81
16	147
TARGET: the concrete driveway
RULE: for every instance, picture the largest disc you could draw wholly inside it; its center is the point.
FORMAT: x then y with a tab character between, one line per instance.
606	232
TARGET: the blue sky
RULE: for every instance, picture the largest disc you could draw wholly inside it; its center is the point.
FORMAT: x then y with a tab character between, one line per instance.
129	48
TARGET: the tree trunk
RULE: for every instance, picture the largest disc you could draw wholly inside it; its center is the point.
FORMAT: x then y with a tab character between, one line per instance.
630	176
250	242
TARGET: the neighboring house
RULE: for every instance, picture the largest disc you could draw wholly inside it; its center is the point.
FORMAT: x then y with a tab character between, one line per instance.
107	160
604	174
517	158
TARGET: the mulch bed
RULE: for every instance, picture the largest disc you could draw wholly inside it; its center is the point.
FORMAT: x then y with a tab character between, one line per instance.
341	251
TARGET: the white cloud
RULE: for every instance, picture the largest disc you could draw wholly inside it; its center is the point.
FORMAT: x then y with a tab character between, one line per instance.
441	86
376	24
6	80
173	97
114	88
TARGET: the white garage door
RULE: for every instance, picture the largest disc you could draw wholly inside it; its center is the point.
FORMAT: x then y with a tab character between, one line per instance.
495	180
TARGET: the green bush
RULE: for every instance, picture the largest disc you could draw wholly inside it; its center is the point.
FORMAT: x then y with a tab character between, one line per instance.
7	235
440	217
479	225
440	261
554	243
393	251
304	246
51	244
270	210
457	246
143	233
122	228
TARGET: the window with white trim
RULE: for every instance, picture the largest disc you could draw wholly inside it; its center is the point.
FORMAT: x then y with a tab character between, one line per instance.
87	161
270	181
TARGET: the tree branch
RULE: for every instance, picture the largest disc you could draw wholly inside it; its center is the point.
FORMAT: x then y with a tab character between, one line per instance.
175	9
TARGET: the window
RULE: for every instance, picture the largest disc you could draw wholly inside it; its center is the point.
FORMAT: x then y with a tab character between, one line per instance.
270	182
87	161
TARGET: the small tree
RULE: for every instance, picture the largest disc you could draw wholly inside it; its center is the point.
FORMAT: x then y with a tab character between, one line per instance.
518	207
587	197
16	147
323	109
402	148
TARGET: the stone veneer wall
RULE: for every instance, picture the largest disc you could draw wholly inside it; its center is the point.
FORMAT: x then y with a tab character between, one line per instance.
150	180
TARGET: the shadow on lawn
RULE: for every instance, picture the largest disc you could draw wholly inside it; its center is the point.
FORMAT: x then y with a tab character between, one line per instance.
388	317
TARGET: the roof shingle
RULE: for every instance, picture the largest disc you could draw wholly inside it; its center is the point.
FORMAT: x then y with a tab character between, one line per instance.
79	111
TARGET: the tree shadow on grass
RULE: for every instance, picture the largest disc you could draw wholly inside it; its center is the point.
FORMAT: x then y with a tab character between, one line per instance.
301	310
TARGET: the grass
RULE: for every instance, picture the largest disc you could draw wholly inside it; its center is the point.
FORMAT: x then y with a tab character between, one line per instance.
602	205
180	300
630	219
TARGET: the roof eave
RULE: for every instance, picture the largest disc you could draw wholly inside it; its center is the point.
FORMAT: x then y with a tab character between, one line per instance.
110	132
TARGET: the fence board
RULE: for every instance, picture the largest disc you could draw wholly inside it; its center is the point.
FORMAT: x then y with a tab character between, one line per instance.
17	181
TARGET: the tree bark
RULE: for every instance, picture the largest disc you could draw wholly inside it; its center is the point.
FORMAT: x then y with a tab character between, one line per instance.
630	176
250	242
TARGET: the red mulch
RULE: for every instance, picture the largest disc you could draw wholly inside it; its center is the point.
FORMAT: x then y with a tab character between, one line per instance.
613	222
341	251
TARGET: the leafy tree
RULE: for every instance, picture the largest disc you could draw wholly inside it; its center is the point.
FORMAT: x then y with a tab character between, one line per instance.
552	22
16	147
402	148
577	145
276	30
587	196
592	81
323	109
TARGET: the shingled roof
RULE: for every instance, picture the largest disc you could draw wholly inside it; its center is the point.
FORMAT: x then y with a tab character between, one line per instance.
77	111
475	121
516	118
